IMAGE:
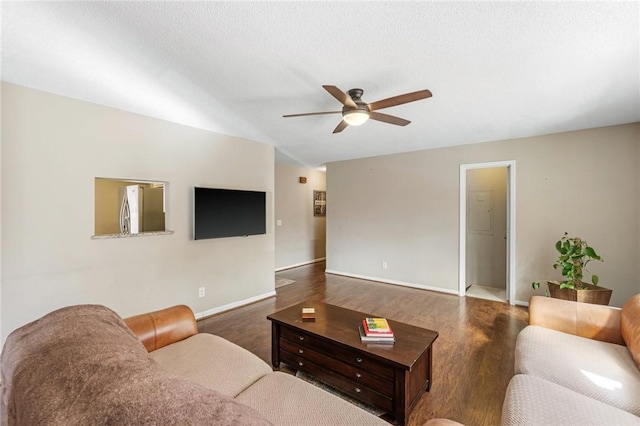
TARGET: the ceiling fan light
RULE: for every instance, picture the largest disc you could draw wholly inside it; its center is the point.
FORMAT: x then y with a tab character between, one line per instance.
355	117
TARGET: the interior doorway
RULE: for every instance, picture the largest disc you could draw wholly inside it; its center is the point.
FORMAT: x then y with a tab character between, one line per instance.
487	230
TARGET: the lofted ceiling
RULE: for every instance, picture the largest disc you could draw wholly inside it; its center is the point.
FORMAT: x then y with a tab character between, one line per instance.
497	70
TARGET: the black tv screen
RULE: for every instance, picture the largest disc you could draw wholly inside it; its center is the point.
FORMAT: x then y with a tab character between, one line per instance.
221	213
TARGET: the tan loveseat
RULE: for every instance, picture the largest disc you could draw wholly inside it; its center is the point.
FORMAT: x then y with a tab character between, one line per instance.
84	365
576	364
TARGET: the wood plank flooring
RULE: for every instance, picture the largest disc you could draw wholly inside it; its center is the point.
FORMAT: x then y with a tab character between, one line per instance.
473	356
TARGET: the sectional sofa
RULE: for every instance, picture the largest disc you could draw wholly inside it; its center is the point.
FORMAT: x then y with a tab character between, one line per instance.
86	365
576	364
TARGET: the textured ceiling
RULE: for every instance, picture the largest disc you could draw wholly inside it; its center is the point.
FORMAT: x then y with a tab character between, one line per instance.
497	70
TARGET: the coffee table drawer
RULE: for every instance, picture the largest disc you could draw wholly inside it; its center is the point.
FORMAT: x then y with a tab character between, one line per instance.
339	353
344	385
357	375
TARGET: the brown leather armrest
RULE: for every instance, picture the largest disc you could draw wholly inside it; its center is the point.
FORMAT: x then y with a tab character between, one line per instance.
596	322
164	327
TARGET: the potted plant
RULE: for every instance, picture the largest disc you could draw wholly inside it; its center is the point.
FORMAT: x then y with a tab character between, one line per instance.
574	255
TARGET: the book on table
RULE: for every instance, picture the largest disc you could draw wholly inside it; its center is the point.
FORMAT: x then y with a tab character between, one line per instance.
384	331
308	314
374	339
379	324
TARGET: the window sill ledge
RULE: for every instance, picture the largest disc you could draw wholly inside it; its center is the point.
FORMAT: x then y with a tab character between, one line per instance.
141	234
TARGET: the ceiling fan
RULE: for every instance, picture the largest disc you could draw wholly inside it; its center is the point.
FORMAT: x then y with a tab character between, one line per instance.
355	111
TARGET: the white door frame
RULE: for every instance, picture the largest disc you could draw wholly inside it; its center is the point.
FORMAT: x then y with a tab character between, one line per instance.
511	225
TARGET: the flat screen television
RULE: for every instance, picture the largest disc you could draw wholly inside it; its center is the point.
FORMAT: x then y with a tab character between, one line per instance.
222	213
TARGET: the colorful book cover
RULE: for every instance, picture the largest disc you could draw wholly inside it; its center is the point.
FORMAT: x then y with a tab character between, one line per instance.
374	339
376	332
380	324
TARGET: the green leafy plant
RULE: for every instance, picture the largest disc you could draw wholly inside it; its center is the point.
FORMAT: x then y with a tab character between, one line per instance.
574	256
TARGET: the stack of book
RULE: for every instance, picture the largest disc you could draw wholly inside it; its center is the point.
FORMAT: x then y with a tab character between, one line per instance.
376	330
308	314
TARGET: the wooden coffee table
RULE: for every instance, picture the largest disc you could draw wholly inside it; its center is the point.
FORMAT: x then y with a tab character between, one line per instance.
391	377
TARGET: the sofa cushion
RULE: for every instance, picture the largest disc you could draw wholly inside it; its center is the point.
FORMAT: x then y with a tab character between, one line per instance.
212	362
531	400
286	400
603	371
83	365
630	326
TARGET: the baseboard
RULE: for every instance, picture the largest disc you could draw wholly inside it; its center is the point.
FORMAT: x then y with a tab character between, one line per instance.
388	281
282	268
228	307
394	282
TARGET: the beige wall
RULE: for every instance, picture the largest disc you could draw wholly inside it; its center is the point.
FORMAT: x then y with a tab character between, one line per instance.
404	209
301	237
52	149
487	250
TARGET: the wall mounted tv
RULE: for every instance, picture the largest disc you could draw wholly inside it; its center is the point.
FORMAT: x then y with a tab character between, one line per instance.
221	213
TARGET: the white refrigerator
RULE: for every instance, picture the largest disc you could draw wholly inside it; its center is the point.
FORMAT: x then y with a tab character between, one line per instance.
141	209
131	202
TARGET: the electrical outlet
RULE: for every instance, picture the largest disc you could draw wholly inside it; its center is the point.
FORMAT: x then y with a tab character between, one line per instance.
201	292
384	264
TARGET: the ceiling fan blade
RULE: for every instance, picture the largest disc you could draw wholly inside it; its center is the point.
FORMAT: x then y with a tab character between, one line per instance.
312	113
342	97
388	118
399	100
341	126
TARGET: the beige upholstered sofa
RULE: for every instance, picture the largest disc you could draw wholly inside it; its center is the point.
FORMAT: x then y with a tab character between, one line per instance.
576	364
85	365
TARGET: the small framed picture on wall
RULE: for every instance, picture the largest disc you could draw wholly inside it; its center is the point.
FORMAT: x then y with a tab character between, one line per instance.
319	203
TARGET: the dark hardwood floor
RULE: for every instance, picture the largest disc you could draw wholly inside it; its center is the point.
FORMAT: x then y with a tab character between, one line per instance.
473	356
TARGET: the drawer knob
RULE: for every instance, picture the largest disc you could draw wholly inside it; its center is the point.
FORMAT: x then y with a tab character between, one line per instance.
300	351
358	375
301	337
359	359
300	363
358	390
